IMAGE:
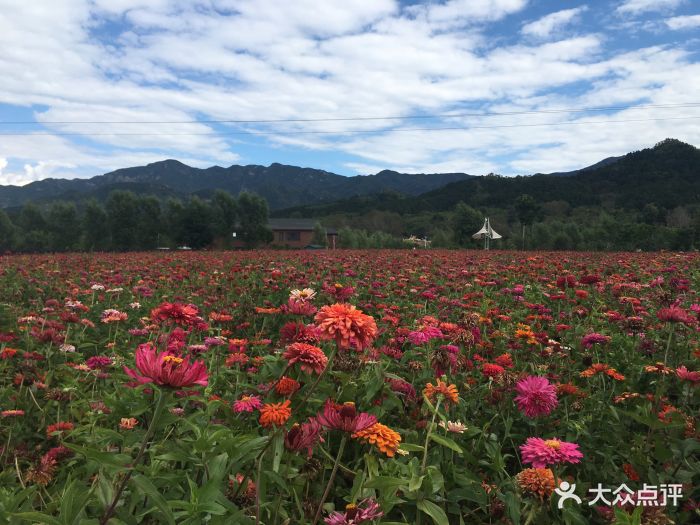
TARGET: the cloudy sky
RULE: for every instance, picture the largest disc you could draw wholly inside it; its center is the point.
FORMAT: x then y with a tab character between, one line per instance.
477	86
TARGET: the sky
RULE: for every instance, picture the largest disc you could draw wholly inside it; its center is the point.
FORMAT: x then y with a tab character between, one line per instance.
475	86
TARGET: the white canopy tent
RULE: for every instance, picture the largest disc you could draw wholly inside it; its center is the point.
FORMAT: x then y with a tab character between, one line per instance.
487	233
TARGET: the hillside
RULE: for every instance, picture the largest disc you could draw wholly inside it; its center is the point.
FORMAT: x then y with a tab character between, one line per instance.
667	175
282	185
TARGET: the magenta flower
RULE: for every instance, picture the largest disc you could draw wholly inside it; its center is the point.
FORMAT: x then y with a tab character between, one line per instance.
247	404
593	338
166	369
345	417
366	510
536	396
543	452
304	436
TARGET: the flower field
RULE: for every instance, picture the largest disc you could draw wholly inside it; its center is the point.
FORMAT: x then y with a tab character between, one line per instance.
350	387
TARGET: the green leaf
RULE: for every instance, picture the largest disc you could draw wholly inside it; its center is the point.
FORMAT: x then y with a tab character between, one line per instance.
446	442
73	501
411	447
431	509
384	482
103	458
145	486
37	518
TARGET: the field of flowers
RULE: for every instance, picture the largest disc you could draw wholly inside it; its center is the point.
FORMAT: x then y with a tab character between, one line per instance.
350	387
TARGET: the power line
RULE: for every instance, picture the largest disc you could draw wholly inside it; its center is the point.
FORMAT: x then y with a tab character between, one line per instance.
350	119
345	132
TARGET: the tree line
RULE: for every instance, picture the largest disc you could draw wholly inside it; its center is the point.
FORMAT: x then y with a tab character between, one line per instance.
128	222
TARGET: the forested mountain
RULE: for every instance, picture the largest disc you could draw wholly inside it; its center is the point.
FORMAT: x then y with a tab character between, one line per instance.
281	185
667	175
648	199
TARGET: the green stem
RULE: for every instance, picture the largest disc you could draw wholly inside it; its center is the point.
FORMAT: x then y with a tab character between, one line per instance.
320	376
331	479
668	343
258	486
157	413
427	438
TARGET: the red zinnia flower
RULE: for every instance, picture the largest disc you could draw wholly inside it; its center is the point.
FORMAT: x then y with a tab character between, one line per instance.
60	427
287	386
491	370
166	369
311	358
304	436
674	314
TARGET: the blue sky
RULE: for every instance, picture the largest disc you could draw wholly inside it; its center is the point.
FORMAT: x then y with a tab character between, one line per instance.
101	84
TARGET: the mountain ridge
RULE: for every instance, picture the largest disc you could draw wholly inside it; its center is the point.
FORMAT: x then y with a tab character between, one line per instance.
282	185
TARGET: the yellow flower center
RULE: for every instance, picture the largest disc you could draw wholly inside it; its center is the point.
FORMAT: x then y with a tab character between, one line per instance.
172	359
553	443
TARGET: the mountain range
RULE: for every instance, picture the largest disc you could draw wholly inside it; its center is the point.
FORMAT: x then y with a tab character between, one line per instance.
667	174
283	186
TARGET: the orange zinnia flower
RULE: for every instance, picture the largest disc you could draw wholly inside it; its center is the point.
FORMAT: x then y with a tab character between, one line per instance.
602	368
347	325
275	414
449	393
381	436
536	481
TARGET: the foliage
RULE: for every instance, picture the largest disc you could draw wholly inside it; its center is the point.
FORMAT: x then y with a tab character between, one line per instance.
451	335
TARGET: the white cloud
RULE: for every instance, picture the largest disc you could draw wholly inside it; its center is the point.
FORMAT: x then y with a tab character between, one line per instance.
454	12
635	7
243	59
683	22
553	22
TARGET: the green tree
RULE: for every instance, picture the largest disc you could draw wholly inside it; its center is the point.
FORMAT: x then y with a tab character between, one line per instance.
528	212
95	227
320	236
8	233
34	232
252	220
225	214
64	226
347	238
174	221
465	222
123	219
149	224
197	224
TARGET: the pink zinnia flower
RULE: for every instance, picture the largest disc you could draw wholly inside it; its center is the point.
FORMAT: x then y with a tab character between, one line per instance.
536	396
247	404
166	369
543	452
345	417
366	510
686	375
593	338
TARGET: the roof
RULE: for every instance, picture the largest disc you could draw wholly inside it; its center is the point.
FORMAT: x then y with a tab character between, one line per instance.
296	225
